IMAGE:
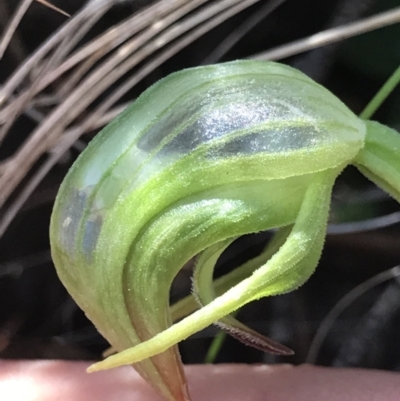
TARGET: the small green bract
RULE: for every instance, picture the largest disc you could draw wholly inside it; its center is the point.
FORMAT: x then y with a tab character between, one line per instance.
202	157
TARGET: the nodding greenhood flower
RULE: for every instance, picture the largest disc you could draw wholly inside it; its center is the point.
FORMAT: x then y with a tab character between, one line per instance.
202	157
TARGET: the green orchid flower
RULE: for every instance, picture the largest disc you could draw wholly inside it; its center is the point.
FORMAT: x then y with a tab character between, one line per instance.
202	157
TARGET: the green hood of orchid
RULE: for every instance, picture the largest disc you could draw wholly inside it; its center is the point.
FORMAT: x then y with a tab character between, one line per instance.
204	156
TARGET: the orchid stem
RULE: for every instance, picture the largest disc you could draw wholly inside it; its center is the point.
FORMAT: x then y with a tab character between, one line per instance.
381	95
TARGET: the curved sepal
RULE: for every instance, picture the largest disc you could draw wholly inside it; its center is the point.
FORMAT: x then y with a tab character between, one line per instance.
286	270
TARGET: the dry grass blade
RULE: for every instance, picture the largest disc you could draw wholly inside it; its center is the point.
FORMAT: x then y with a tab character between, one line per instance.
331	36
13	25
343	303
141	21
11	112
365	225
225	45
112	38
35	59
53	7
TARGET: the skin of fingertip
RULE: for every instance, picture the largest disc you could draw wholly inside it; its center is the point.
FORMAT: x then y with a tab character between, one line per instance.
62	380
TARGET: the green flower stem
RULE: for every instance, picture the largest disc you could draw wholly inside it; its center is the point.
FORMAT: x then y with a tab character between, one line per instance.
215	346
381	95
379	160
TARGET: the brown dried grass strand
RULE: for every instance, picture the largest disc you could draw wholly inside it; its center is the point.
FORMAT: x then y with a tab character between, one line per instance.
13	25
332	35
53	7
242	30
14	81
